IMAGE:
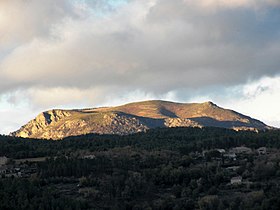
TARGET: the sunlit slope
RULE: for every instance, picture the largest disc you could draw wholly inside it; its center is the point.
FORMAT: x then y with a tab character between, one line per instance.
134	117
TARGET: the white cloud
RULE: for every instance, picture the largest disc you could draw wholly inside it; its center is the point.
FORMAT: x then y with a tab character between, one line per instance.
14	113
259	99
21	21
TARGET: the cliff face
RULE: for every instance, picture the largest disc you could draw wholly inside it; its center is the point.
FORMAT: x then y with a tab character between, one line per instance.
132	118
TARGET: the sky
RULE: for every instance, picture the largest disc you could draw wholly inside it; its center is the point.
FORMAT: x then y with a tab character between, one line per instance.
90	53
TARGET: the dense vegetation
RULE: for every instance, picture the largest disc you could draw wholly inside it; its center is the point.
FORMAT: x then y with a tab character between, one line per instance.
160	169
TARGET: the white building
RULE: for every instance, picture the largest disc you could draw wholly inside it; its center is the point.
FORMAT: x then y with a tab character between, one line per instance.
262	150
222	151
236	180
230	155
89	157
242	150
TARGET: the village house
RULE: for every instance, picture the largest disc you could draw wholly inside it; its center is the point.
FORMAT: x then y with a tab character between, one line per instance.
236	180
230	155
222	151
242	150
232	168
3	160
262	150
91	157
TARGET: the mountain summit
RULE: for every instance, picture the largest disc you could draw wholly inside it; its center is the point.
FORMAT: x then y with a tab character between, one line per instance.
134	117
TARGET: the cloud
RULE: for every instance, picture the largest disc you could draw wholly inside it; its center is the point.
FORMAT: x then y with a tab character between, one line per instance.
259	99
56	53
144	45
234	3
50	98
21	21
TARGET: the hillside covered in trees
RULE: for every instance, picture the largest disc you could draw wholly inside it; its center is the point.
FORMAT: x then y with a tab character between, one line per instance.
178	168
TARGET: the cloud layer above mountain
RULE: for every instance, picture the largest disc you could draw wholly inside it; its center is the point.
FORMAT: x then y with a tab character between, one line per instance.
54	52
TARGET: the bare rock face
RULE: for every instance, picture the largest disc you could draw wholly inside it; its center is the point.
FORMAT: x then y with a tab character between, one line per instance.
134	117
41	124
178	122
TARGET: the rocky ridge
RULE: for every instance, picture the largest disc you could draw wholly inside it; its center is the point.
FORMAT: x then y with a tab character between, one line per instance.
133	118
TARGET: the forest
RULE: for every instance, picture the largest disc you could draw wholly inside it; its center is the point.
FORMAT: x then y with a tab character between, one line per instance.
174	168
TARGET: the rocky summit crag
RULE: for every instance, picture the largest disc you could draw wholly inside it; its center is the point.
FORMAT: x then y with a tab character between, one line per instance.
134	117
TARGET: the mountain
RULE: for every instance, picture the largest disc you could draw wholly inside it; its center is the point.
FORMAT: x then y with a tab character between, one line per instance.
134	117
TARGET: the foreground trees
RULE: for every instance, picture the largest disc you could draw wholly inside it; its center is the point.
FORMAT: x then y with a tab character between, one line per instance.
162	169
